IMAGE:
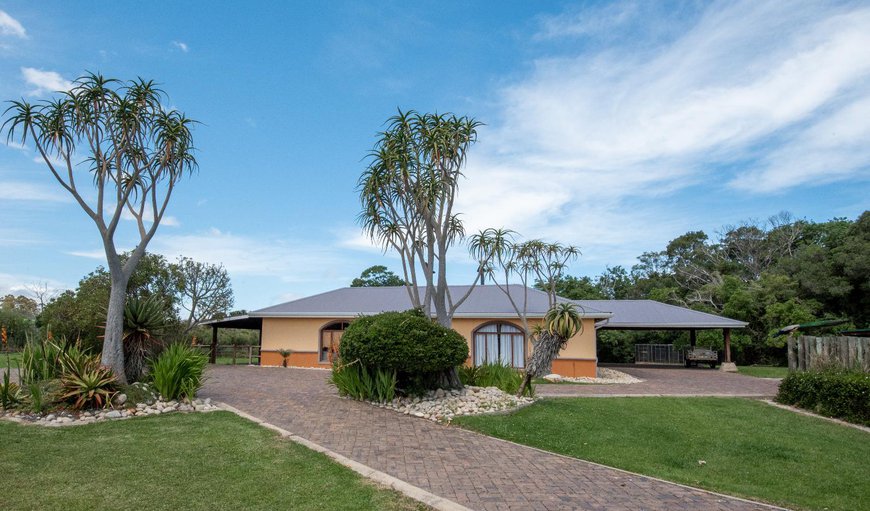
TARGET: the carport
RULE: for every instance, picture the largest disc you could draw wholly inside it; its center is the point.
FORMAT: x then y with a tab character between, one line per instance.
236	322
653	315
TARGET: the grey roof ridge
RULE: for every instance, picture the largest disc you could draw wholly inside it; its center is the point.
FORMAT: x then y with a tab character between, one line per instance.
702	312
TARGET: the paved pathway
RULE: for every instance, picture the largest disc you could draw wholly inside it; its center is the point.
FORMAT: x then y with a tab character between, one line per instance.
472	469
673	382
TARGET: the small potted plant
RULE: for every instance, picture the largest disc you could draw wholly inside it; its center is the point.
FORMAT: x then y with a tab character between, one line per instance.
285	354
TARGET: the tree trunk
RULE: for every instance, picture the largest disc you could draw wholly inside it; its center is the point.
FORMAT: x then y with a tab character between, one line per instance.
541	362
113	347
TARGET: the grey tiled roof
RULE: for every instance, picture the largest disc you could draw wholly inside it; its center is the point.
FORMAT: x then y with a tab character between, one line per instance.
650	314
484	301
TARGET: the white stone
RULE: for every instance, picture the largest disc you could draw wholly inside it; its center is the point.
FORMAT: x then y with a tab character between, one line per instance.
114	414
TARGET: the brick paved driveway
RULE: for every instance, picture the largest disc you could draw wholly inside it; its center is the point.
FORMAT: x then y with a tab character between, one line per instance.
673	382
472	469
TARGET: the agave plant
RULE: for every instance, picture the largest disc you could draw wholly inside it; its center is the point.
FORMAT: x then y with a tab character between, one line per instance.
89	385
10	392
143	320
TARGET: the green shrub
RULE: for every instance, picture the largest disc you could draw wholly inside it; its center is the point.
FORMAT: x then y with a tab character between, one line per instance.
179	372
139	392
40	361
496	374
841	394
10	392
43	394
357	382
412	345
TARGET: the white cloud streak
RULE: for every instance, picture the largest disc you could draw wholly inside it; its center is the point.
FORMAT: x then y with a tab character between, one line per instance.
44	82
181	46
23	191
10	26
584	143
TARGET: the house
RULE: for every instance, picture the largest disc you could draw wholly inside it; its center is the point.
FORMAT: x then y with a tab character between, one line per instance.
312	327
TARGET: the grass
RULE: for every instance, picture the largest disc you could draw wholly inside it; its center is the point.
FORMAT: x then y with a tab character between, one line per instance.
180	461
763	371
14	359
751	449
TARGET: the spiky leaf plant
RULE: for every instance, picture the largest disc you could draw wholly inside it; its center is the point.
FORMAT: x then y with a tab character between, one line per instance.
144	319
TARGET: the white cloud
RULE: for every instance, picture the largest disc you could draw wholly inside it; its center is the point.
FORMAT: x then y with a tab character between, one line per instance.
17	284
582	143
44	81
98	254
11	26
181	46
290	261
22	191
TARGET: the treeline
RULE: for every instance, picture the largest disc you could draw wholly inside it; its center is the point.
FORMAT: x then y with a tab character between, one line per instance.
770	274
183	293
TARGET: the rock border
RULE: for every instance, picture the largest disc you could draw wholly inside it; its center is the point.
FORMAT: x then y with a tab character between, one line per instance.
61	418
444	405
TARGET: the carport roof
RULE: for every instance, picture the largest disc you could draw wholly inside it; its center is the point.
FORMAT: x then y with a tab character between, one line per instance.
653	315
484	301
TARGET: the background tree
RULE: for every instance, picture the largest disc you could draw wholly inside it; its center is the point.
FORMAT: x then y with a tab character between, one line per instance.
137	152
377	276
407	195
203	289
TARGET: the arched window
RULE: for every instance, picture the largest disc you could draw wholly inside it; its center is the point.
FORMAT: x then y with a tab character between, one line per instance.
330	337
503	342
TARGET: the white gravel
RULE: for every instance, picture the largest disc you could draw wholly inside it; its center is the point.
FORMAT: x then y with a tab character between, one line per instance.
444	405
605	375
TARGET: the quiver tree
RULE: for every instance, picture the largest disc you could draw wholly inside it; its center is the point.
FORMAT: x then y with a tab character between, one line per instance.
561	323
407	195
135	152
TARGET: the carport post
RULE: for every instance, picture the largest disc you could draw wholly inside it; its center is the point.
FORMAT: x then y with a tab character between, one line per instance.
212	356
727	365
692	338
726	334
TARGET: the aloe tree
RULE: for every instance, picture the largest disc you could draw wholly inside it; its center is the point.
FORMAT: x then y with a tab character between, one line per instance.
561	323
135	152
508	261
407	195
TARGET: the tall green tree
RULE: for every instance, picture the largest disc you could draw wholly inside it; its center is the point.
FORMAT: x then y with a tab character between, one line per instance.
408	193
377	276
137	152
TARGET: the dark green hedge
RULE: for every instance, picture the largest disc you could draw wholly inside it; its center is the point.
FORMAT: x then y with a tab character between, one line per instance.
407	342
845	395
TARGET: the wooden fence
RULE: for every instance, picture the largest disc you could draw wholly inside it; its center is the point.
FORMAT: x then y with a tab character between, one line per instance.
245	354
806	353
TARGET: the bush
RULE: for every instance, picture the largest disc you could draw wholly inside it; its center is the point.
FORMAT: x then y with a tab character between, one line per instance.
355	381
841	394
497	374
87	384
43	394
40	361
10	392
179	372
406	342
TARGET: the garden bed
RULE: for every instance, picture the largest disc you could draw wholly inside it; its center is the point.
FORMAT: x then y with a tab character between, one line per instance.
69	417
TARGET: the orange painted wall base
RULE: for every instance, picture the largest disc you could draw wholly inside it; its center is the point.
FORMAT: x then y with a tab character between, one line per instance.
575	367
296	359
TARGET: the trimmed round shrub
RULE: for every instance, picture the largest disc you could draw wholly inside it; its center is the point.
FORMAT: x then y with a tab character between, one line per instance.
407	342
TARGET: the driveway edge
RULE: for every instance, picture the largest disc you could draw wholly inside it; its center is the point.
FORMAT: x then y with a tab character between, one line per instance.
384	479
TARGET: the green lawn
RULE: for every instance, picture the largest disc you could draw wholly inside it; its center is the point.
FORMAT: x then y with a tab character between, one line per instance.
180	461
751	449
763	371
13	358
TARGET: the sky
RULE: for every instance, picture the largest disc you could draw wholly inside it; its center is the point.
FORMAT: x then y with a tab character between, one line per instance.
613	126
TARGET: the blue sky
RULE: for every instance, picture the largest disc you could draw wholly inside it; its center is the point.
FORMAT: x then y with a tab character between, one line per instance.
612	126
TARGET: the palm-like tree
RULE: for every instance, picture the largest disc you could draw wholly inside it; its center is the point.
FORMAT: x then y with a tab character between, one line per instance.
136	150
561	323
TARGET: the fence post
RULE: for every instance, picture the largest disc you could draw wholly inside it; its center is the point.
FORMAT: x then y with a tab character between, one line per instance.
234	354
792	359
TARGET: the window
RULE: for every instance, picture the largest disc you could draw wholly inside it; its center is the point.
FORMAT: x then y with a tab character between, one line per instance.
502	342
330	337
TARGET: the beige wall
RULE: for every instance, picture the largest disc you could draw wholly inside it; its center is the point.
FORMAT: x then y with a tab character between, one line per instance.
302	335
